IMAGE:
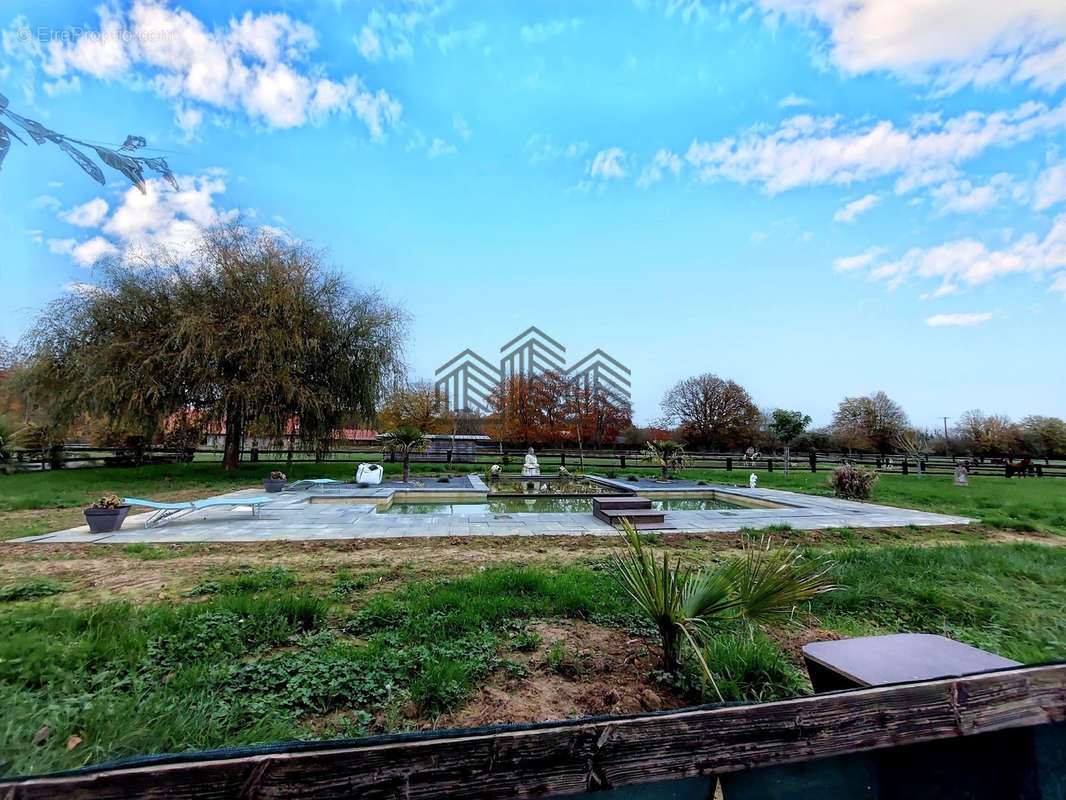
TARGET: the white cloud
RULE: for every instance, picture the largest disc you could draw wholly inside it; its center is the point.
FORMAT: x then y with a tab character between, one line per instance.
807	151
47	202
391	30
864	259
142	223
1050	187
368	43
793	100
461	37
953	42
971	262
1059	284
542	31
961	196
439	147
609	163
943	320
87	215
188	119
541	149
257	64
653	173
461	126
849	212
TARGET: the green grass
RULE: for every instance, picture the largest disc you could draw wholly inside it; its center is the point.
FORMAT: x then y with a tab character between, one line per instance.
263	652
248	659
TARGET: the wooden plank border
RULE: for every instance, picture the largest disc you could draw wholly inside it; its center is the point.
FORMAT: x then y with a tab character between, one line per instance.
594	754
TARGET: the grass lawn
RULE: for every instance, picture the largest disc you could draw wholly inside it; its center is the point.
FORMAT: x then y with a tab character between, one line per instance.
108	651
230	646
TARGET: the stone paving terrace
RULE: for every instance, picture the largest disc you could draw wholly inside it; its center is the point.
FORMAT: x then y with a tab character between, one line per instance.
348	512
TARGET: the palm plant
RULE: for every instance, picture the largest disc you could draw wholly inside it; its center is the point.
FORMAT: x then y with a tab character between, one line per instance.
406	439
689	606
667	454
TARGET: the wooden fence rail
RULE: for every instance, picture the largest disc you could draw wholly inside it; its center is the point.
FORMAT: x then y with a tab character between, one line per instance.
1007	727
549	458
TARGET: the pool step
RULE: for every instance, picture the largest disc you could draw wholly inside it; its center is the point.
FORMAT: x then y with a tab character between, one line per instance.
637	510
624	501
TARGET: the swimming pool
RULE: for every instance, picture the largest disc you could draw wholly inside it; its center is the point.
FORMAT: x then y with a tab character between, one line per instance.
550	505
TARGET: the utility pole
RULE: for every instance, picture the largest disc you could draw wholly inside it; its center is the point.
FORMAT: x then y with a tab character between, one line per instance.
947	451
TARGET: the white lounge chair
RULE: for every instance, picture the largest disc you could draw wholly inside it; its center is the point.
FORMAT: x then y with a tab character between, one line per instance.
308	483
165	512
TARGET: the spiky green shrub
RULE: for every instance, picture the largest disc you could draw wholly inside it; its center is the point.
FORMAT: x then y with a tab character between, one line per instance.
689	606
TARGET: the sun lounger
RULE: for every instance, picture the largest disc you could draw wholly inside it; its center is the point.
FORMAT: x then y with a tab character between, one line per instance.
308	483
165	512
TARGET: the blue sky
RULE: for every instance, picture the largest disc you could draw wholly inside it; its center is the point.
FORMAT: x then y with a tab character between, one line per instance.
814	198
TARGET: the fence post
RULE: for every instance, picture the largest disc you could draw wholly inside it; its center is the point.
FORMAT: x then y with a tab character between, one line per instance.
449	457
813	457
255	453
622	461
562	458
769	465
906	469
728	463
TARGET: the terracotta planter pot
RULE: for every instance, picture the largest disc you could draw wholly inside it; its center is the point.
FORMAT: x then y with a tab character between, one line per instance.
106	520
273	485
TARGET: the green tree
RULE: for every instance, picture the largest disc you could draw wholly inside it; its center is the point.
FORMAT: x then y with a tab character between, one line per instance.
1044	436
407	440
869	423
787	426
252	330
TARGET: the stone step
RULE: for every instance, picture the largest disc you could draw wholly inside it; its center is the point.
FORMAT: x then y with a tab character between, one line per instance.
639	517
627	501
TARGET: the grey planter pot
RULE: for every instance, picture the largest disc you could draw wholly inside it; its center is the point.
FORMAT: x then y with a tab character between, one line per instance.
272	485
106	520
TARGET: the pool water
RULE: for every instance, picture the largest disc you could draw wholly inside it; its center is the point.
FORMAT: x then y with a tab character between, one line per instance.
550	505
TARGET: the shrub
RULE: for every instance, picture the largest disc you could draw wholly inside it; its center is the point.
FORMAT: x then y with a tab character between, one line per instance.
852	482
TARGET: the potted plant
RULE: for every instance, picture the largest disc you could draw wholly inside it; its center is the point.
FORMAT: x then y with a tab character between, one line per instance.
107	514
276	481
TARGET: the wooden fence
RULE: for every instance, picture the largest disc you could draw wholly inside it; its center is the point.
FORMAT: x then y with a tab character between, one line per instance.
551	458
994	735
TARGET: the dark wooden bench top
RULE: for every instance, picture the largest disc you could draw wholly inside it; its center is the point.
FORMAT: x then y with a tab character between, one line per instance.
881	660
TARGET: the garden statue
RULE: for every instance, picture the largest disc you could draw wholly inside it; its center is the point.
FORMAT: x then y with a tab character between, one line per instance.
753	480
531	466
494	471
962	476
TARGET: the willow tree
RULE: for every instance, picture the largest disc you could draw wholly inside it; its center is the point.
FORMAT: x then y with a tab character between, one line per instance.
252	330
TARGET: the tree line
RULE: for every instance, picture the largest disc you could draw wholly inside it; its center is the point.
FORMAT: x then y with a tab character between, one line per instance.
255	334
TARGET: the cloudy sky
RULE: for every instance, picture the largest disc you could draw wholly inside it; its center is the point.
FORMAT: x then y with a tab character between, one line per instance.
813	197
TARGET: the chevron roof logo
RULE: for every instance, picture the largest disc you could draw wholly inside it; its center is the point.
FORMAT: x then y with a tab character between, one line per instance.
468	379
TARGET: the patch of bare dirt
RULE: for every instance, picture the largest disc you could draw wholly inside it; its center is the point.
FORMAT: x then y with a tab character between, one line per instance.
577	670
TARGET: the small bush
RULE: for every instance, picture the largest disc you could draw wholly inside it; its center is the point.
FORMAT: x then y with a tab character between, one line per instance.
611	473
852	482
633	478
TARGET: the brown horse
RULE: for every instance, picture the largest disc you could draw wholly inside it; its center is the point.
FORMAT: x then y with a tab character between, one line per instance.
1020	468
